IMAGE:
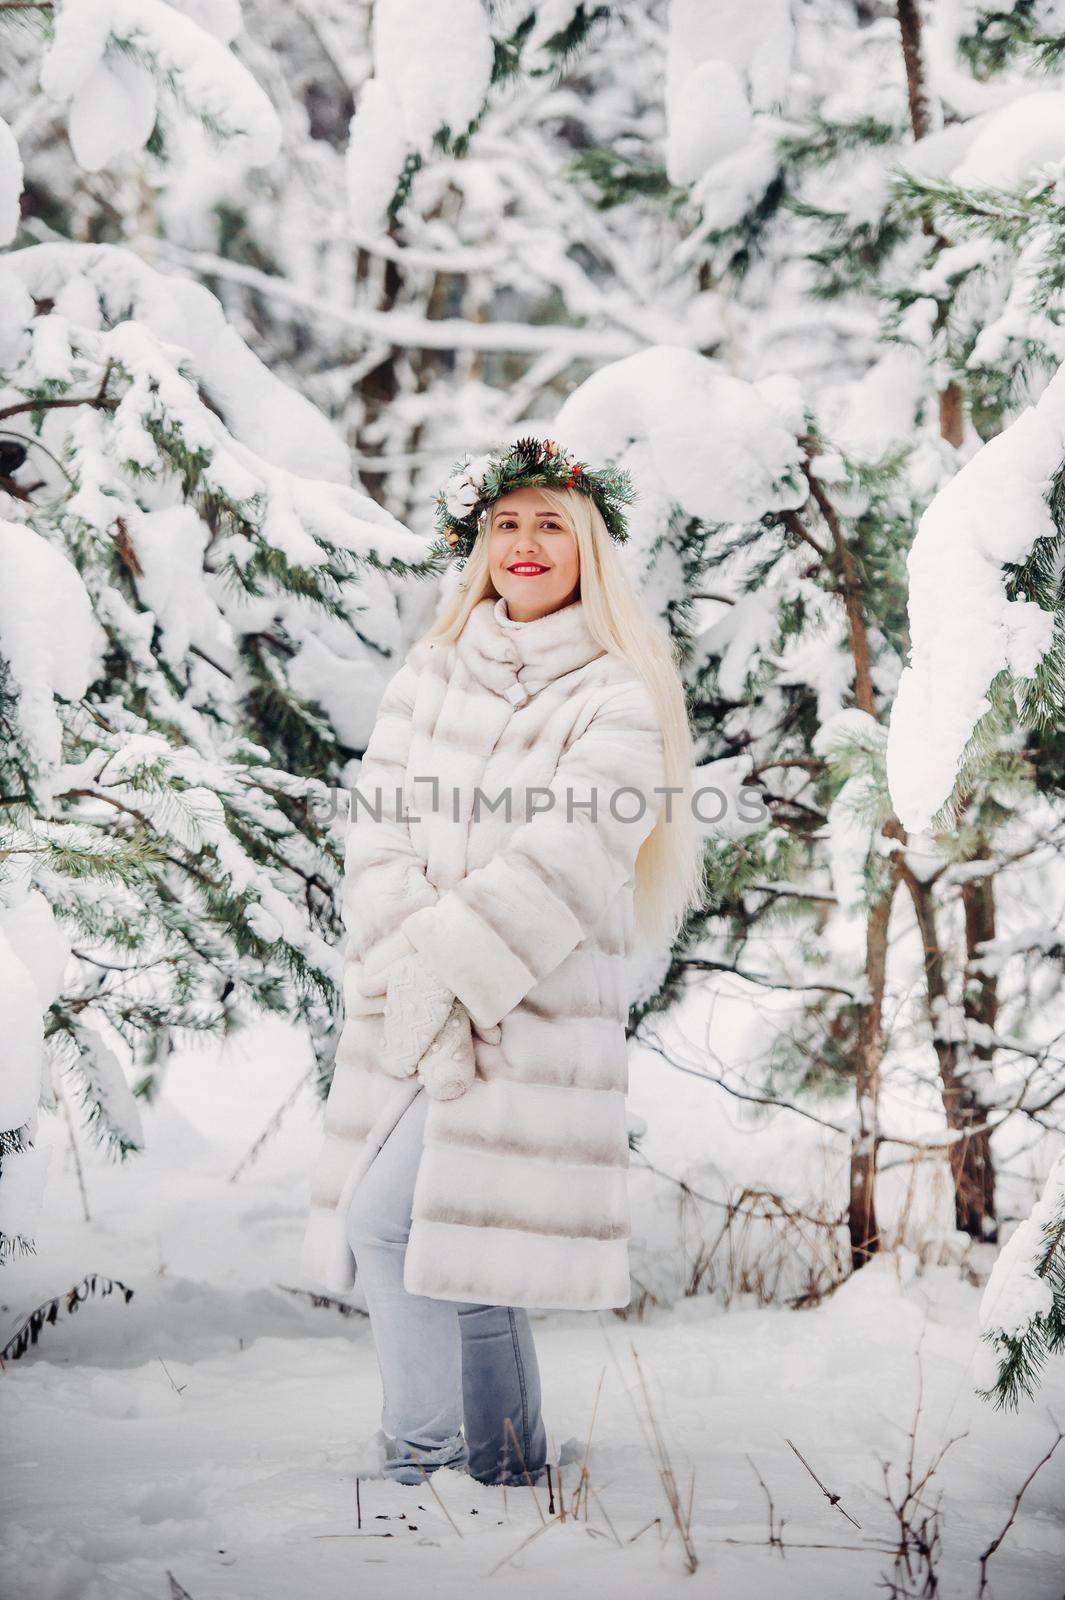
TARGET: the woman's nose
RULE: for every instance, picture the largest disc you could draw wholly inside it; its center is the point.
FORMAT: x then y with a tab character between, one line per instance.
525	541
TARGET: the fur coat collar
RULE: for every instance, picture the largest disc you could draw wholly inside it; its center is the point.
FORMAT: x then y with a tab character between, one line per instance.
517	659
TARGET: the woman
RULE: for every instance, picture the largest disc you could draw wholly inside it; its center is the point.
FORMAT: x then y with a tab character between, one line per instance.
510	834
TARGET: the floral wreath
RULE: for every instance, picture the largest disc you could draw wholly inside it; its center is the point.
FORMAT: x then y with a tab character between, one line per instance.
527	464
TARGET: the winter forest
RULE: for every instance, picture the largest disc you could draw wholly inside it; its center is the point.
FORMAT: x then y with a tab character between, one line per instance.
270	268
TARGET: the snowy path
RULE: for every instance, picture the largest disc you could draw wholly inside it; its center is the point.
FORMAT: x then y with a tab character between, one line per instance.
212	1427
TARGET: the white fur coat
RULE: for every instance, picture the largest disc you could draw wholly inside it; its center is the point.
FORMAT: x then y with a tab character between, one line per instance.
522	1190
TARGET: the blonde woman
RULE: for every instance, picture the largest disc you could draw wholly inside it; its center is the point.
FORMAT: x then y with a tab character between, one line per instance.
523	812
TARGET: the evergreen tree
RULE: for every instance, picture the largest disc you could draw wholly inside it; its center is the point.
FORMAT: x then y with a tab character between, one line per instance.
197	616
859	190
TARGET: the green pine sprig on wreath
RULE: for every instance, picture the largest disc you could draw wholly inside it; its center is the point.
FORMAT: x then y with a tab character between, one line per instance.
528	463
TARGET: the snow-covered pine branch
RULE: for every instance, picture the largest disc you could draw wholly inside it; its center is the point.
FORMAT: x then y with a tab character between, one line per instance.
971	617
112	64
10	183
193	634
434	71
1022	1312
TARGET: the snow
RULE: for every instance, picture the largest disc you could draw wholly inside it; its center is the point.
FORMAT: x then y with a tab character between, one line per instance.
106	1084
722	63
169	547
220	17
709	119
109	113
112	113
212	1427
849	836
436	63
16	312
1012	143
819	661
260	409
10	185
963	628
377	150
871	415
1016	1293
42	944
853	823
20	1080
720	443
432	68
744	631
22	1191
726	804
49	635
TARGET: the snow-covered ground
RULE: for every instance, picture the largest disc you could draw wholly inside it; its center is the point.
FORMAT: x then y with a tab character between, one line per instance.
212	1427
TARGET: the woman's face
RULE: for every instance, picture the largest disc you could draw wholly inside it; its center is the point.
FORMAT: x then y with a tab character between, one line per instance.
532	555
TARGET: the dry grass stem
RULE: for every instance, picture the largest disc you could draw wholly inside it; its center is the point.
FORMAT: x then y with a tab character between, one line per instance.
681	1521
433	1491
524	1468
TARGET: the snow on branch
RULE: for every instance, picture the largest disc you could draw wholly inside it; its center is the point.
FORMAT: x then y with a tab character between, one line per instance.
104	284
432	71
108	59
1022	1312
964	628
10	184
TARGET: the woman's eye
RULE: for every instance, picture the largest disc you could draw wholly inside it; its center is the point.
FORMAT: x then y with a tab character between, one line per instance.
549	523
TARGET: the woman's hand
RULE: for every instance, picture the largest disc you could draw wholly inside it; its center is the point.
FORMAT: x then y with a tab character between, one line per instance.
449	1066
368	987
417	1005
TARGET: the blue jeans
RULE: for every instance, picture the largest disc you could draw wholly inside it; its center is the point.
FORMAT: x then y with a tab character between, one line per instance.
446	1365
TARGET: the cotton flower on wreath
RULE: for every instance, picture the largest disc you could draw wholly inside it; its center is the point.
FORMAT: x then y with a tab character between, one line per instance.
463	490
474	484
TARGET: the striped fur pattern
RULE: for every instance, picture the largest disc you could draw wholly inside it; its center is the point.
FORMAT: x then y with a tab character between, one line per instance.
522	1190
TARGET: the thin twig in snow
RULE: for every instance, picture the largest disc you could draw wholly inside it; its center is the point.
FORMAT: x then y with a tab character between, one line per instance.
178	1388
833	1499
273	1124
1007	1525
63	1101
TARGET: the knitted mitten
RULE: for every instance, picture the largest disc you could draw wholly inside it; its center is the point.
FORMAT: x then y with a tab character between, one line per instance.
416	1007
448	1066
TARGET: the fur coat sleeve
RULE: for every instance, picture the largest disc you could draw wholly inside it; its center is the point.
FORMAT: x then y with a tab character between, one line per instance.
496	934
384	875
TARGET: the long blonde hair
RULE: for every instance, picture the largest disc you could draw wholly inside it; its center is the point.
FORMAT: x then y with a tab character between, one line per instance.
669	874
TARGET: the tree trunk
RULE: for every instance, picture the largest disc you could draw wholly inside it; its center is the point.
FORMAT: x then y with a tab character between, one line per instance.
970	1155
861	1216
909	16
980	1003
